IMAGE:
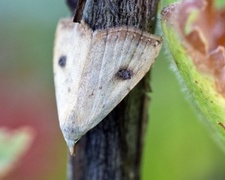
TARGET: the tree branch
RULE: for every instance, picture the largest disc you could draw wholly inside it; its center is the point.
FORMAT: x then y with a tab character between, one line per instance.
112	150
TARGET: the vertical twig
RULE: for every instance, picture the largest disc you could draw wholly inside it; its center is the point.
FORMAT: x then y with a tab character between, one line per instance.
112	150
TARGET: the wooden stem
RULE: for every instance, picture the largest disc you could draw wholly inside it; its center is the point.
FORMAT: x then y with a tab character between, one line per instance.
112	150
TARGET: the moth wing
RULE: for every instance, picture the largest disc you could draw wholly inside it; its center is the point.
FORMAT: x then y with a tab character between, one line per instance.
71	49
111	51
101	68
133	54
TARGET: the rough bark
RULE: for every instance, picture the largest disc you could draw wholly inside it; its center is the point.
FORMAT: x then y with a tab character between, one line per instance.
113	149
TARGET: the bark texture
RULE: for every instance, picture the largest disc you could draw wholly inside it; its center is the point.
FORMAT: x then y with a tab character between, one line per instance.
113	149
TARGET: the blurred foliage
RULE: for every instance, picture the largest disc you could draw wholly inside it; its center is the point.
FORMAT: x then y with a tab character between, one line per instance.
177	145
14	143
164	3
219	3
200	86
26	78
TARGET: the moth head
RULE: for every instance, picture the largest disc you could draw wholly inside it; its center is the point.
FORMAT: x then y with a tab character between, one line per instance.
72	148
71	135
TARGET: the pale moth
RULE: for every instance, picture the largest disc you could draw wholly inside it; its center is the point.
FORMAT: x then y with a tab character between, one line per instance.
94	71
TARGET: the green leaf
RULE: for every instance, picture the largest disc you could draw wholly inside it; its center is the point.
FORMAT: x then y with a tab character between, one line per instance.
199	87
13	144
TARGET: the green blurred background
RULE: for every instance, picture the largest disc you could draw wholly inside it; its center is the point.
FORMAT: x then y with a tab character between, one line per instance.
177	146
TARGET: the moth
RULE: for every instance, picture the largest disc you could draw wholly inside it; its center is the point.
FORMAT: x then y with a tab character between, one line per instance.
95	70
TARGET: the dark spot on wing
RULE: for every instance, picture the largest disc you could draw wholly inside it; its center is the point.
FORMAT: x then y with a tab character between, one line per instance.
124	74
92	94
62	61
69	89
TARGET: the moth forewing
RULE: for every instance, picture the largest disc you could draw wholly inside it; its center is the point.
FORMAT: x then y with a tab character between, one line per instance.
72	42
101	68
